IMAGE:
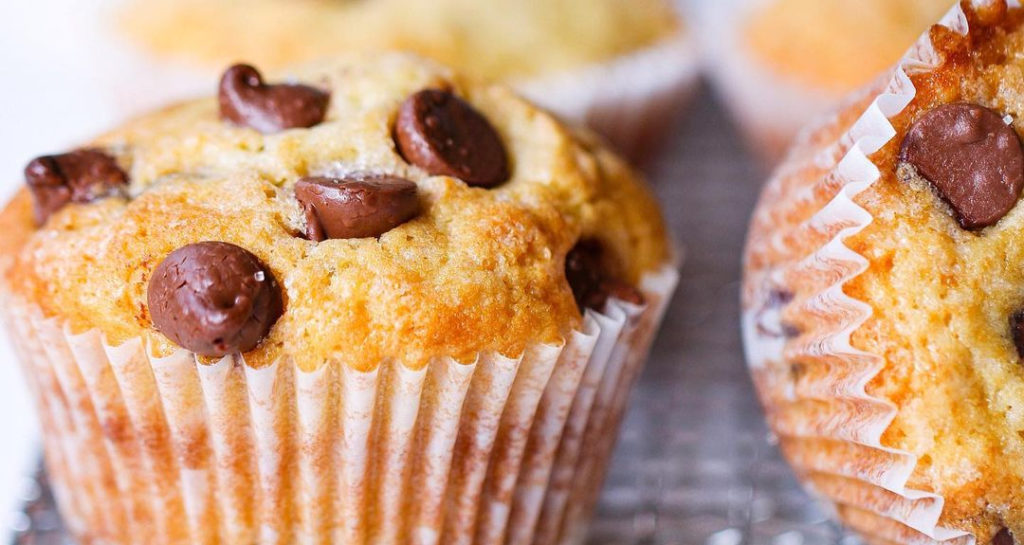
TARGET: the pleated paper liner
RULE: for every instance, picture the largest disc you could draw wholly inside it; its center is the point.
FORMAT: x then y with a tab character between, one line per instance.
813	382
170	451
631	100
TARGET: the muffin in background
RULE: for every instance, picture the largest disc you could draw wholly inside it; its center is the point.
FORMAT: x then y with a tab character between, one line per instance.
378	303
883	293
780	63
624	67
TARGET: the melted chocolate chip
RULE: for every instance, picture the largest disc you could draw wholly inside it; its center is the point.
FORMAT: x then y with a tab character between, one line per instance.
444	135
591	283
1003	538
81	176
617	289
247	101
357	206
1017	331
972	158
214	298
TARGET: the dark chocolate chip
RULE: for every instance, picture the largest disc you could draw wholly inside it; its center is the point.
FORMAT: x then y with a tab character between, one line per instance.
1003	538
81	176
972	158
797	371
617	289
214	298
591	283
1017	331
778	298
444	135
247	101
357	206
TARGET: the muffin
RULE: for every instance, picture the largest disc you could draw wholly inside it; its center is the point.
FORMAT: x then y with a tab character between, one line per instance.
622	66
781	63
378	303
883	293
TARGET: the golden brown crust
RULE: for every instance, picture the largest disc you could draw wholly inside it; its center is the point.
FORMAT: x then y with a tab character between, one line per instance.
939	298
478	270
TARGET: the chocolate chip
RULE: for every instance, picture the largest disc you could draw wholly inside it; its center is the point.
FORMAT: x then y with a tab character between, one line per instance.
972	158
357	206
617	289
81	176
778	298
444	135
1017	331
214	298
797	371
1003	538
245	100
591	283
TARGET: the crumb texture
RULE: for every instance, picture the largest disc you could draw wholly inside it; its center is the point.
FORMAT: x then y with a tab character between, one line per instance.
477	270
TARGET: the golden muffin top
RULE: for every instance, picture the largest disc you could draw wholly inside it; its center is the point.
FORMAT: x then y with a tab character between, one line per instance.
374	207
836	46
496	39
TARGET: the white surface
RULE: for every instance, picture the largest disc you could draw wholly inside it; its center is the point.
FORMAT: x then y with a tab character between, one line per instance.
50	98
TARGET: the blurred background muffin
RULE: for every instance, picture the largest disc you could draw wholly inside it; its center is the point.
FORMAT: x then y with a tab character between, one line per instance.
622	66
780	63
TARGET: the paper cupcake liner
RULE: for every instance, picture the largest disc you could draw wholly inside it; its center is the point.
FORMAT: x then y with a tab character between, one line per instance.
167	450
813	383
632	100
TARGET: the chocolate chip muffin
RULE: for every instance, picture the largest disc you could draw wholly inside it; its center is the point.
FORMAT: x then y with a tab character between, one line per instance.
883	294
622	66
781	63
376	302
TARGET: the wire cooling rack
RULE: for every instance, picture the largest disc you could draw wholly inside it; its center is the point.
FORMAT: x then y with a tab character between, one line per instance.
694	465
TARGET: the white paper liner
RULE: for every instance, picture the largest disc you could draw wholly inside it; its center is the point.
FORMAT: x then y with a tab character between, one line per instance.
631	100
167	450
847	466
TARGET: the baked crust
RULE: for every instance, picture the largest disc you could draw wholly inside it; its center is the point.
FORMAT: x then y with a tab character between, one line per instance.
479	270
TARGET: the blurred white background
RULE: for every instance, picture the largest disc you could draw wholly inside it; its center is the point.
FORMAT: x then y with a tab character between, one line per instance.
51	95
51	98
